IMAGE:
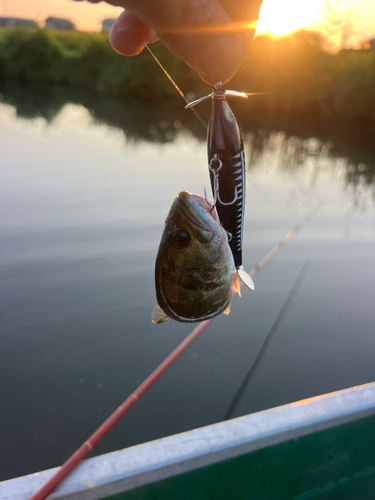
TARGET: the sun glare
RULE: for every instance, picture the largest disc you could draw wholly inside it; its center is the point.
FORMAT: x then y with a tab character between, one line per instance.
280	18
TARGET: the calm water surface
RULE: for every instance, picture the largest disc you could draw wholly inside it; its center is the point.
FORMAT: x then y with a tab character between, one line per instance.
82	208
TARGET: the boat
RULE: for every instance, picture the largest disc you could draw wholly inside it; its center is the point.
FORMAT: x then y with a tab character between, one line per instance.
320	448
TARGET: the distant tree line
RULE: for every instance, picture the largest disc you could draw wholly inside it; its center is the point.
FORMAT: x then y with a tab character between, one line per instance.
296	72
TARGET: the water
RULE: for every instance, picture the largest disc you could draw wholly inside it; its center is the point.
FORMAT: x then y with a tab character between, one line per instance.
82	208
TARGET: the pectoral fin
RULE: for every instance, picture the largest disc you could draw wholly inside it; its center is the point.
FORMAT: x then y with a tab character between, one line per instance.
227	310
246	278
158	315
236	285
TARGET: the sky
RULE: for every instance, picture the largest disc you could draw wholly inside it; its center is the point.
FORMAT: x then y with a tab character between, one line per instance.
278	17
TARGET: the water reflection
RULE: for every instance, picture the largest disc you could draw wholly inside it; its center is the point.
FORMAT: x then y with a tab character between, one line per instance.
274	153
82	212
322	140
139	120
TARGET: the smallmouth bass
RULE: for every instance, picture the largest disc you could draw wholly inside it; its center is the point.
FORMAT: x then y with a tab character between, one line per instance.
195	273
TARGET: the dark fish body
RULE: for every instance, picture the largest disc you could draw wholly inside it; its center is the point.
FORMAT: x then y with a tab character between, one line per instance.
194	271
224	140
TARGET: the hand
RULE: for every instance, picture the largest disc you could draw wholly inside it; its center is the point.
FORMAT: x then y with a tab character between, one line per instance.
211	36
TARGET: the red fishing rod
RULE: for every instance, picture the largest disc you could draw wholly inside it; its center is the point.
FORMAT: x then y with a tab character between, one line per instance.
117	415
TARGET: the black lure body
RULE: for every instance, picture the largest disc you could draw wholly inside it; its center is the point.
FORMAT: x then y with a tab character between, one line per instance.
227	160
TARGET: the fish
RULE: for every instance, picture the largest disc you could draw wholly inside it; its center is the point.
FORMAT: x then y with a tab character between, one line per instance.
226	161
195	274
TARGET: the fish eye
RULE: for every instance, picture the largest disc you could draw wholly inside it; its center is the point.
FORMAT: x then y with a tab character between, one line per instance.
181	238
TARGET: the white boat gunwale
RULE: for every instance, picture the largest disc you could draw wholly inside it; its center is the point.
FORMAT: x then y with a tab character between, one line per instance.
126	469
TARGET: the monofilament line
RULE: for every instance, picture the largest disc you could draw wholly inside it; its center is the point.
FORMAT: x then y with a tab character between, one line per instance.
244	384
177	87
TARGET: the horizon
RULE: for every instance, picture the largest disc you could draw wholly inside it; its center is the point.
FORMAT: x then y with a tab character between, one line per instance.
275	19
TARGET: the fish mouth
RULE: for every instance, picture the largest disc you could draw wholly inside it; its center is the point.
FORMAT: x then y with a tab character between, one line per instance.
196	210
206	206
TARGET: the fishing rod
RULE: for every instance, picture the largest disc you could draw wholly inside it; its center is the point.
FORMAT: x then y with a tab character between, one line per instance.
118	414
141	390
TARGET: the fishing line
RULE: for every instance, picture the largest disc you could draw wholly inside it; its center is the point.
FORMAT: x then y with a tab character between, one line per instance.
183	95
117	415
244	384
177	87
185	98
265	197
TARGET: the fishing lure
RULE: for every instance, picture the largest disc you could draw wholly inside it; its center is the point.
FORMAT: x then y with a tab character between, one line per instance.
226	162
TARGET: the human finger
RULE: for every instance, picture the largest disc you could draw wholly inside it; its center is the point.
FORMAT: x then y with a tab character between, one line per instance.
129	35
198	31
210	36
244	14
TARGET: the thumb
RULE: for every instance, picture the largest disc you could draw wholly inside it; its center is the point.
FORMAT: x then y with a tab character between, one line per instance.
129	35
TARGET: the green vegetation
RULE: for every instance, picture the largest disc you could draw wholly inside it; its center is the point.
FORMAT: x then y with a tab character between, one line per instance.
298	73
85	60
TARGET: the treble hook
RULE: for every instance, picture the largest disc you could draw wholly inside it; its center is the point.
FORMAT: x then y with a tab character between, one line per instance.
216	193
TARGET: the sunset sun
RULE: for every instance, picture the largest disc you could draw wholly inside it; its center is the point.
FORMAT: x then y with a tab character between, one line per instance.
280	18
